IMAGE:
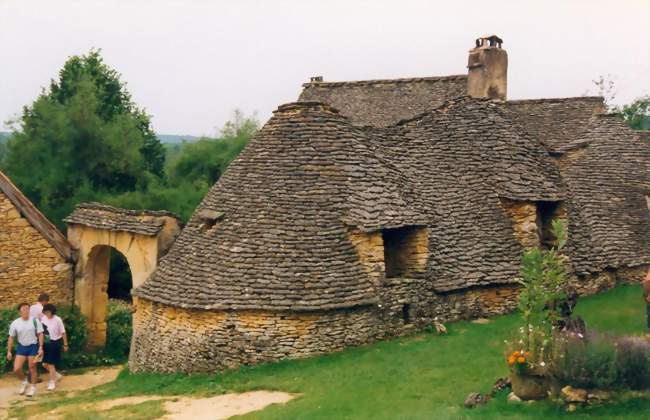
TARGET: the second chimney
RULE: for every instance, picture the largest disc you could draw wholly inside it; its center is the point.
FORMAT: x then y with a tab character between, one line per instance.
488	69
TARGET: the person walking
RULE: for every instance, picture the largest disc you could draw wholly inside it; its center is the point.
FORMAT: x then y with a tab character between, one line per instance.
29	335
36	310
56	341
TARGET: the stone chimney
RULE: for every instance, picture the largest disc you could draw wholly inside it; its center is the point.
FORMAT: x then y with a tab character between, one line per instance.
488	69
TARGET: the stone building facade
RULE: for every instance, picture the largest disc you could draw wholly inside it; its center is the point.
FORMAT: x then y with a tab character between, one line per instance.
368	209
34	256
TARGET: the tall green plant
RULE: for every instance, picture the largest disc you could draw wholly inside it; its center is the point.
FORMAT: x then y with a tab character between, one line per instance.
543	279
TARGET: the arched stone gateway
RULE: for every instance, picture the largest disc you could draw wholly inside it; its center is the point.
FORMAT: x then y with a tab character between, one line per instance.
93	229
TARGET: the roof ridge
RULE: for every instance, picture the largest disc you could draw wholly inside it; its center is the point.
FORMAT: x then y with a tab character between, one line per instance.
446	104
37	219
555	100
93	205
314	105
386	81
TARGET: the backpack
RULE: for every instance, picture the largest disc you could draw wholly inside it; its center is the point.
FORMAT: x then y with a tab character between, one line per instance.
46	333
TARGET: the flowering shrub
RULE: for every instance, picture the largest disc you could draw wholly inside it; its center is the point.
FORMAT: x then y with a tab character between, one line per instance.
518	360
585	362
601	361
633	362
543	279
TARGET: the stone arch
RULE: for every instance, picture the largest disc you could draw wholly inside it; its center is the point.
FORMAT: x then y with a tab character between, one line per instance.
143	237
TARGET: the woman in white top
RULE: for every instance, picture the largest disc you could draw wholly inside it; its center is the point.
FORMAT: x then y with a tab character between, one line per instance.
58	341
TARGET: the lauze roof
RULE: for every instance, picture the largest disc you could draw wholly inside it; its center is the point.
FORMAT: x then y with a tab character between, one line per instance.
102	216
385	102
278	235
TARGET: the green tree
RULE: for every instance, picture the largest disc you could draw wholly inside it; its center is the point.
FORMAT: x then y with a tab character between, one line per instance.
113	101
81	138
202	162
636	113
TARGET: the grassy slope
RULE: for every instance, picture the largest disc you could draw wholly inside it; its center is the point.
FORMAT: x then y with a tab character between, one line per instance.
422	376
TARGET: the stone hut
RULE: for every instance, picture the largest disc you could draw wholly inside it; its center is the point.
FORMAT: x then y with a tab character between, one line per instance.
368	209
34	256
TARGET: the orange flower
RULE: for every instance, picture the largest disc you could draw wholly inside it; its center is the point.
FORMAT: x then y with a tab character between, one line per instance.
511	360
521	359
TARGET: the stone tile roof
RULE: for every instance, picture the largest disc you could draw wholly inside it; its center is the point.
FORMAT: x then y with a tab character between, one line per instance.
102	216
37	219
556	122
385	102
278	237
609	180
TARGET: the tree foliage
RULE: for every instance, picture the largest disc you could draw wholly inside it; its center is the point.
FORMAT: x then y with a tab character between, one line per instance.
82	135
84	139
636	113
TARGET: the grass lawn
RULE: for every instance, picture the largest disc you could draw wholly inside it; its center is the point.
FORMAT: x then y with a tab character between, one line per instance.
421	376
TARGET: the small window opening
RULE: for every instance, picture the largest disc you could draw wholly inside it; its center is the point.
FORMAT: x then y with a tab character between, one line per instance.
400	250
546	213
406	313
208	219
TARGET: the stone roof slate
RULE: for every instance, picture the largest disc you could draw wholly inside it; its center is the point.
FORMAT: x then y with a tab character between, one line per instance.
102	216
285	206
385	102
556	122
609	179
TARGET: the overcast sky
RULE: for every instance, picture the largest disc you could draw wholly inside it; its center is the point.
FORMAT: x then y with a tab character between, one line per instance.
191	62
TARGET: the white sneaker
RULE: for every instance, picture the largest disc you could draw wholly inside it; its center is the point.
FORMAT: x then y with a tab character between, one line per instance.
58	377
23	387
51	386
32	391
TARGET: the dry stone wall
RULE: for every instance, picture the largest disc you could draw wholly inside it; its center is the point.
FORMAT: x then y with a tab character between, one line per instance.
524	221
29	264
170	339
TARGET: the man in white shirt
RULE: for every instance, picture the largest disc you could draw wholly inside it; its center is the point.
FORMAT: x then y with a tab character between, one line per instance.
29	335
36	310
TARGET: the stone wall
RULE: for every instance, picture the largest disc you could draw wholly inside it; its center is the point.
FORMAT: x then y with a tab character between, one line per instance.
168	339
524	221
29	265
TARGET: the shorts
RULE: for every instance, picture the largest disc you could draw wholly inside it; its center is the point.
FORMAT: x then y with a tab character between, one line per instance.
31	350
52	352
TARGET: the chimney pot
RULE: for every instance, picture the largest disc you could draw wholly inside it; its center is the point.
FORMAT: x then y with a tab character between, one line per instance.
488	69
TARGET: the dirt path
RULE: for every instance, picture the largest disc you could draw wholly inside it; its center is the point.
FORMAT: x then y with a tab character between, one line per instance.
212	408
223	406
9	385
177	408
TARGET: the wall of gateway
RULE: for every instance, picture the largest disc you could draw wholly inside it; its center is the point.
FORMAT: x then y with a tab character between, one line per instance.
29	264
170	339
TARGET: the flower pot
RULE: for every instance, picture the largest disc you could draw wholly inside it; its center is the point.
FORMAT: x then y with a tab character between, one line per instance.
528	386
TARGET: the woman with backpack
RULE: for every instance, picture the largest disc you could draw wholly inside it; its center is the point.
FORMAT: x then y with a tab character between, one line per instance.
56	341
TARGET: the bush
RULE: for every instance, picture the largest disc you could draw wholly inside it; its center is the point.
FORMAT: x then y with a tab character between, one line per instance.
588	362
633	362
75	328
118	338
119	330
7	315
600	361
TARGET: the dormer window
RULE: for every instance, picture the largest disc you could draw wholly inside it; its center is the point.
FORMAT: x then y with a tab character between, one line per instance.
208	219
405	250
